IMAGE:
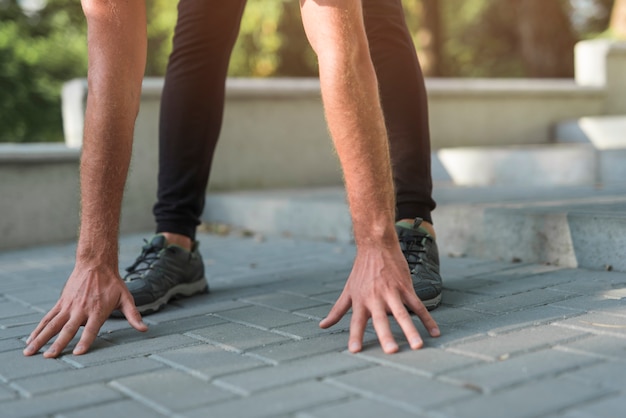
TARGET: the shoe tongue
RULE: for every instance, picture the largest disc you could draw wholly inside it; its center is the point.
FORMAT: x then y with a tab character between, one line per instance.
158	241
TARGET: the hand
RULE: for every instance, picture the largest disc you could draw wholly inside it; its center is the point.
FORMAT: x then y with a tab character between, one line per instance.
88	298
380	283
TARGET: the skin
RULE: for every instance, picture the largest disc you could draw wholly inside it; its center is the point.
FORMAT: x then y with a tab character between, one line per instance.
380	281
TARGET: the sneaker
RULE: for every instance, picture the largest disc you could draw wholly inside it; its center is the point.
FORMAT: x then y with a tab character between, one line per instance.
163	272
420	250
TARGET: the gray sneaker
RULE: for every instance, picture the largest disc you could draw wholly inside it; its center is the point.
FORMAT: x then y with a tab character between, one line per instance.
163	272
420	250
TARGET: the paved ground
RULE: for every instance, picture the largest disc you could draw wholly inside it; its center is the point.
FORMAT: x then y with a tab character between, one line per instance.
519	340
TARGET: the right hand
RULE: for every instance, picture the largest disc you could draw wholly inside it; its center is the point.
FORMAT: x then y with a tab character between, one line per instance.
88	298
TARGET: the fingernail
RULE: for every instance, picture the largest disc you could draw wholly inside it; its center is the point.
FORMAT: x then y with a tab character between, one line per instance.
435	332
416	343
29	350
79	348
354	347
28	340
391	347
51	352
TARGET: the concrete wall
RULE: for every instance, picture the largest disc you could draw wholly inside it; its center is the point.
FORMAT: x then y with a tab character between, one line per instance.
274	135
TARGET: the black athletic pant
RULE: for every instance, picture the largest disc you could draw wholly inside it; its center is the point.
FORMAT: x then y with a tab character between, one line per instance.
193	102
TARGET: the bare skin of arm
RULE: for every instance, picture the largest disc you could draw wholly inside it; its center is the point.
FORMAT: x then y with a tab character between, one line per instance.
117	54
380	281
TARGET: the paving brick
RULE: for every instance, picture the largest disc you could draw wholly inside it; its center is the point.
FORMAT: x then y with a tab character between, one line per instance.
594	302
598	345
262	317
513	284
536	400
456	298
358	408
310	329
493	377
36	294
189	307
11	345
283	301
170	390
237	336
609	407
134	349
520	301
291	350
426	361
507	345
162	329
19	331
454	268
609	374
453	316
14	365
56	402
11	308
207	361
17	321
35	385
291	372
125	408
398	387
273	403
597	323
6	393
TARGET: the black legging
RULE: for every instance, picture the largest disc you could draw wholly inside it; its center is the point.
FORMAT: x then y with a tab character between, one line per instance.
193	103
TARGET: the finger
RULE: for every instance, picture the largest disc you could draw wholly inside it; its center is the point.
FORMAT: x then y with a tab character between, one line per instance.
339	309
408	327
422	313
51	328
131	313
92	327
357	330
42	324
383	331
65	336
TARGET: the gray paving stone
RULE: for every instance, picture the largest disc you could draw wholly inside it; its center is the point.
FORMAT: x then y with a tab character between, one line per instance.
14	365
408	390
283	301
36	385
273	403
611	375
16	321
262	317
7	393
11	308
36	294
613	348
236	336
134	349
446	315
11	344
291	372
358	408
428	362
189	307
291	350
56	402
507	345
310	329
493	377
206	361
594	303
19	331
162	329
459	298
536	400
609	407
597	323
170	390
124	408
520	301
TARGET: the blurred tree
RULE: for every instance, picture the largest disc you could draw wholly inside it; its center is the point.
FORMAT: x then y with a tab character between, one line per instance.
618	19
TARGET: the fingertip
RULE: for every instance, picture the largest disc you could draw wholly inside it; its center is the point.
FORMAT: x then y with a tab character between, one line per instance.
416	343
29	351
390	348
354	346
435	332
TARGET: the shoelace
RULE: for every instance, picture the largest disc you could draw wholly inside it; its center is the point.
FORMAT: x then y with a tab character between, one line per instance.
149	254
413	247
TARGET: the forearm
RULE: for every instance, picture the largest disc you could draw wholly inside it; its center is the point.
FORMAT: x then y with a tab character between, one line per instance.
117	54
354	116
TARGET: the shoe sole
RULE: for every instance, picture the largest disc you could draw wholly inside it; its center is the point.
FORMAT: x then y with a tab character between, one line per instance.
176	292
433	303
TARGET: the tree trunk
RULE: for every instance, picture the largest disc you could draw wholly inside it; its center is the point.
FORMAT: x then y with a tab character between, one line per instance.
430	38
618	19
546	38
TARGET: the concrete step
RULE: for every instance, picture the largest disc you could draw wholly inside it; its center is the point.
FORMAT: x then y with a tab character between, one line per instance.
578	226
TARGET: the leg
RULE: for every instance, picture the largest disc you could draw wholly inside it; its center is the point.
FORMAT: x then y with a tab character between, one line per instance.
191	109
404	103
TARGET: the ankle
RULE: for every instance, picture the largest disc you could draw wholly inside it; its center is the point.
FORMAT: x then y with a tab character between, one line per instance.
426	225
178	239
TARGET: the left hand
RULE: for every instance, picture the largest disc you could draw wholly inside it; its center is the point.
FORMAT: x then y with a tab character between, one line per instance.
379	284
